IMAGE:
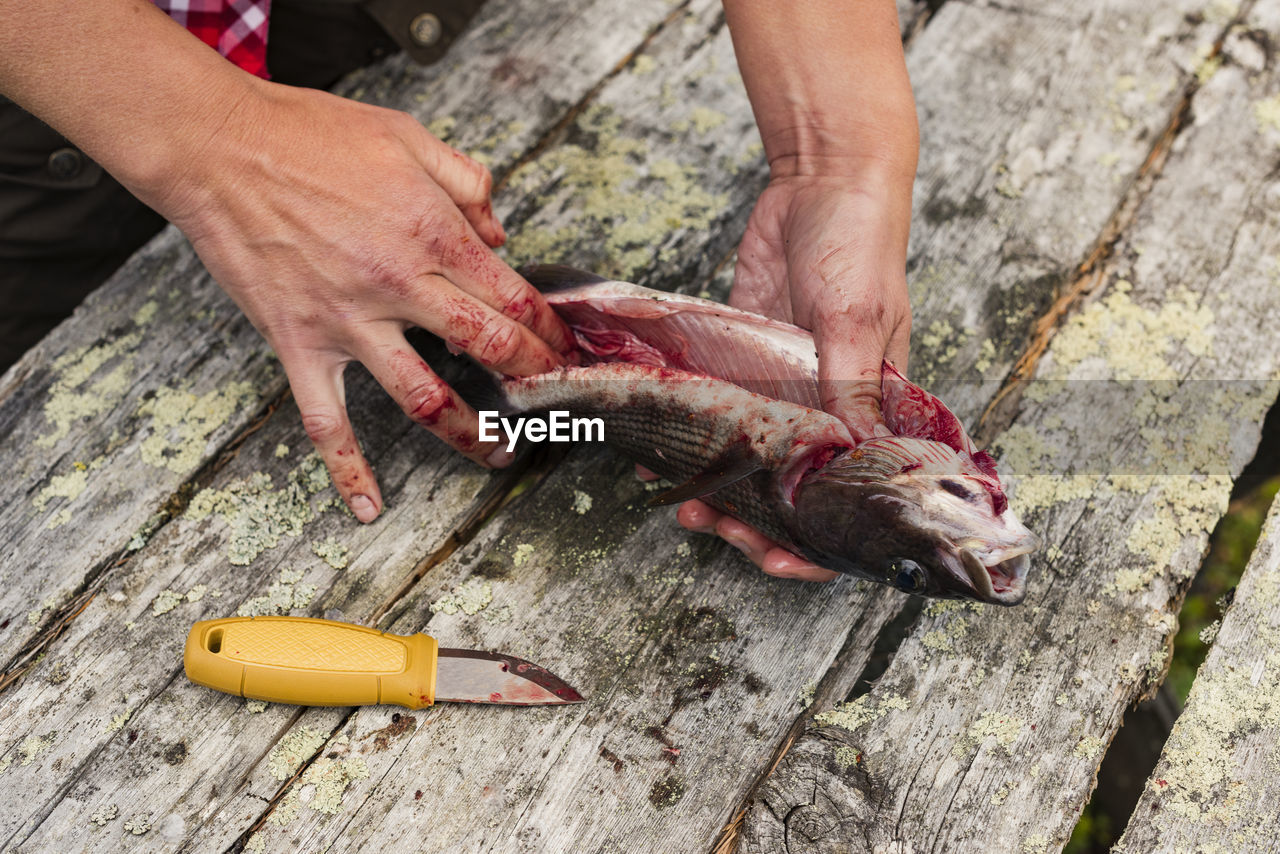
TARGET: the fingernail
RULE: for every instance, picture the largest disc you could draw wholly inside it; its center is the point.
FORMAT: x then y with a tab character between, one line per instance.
500	458
363	507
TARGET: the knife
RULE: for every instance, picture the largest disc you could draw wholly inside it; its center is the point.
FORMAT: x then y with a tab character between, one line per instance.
315	662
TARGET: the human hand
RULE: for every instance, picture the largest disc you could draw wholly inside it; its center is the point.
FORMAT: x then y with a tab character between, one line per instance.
336	226
826	253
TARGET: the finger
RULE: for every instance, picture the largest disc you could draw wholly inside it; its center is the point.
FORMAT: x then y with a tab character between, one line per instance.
698	517
319	392
492	339
429	400
646	475
467	182
849	374
479	272
782	563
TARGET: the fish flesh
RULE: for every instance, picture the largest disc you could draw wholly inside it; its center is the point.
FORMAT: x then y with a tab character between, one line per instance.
725	403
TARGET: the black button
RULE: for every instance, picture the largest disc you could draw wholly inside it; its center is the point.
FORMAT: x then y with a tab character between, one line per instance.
65	163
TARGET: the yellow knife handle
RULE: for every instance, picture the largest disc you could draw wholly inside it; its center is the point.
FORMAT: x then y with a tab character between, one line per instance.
311	662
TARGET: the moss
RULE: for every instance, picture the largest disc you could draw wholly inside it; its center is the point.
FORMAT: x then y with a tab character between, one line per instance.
667	792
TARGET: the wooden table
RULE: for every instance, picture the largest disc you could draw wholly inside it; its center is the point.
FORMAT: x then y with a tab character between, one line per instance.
1095	277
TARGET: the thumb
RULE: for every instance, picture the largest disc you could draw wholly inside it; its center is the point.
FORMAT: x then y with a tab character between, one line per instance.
849	377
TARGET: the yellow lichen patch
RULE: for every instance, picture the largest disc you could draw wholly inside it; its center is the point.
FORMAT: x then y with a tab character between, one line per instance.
104	814
986	355
75	394
1116	338
1003	728
294	749
1232	713
257	513
847	757
1267	112
470	598
944	639
1088	747
145	313
643	64
182	423
117	722
614	195
852	716
523	552
332	552
284	595
33	746
1180	507
69	486
581	502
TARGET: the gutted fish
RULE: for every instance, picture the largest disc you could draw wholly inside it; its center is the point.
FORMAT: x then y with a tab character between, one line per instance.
726	404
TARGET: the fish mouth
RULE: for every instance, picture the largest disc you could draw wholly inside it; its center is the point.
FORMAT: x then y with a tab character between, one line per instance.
1003	583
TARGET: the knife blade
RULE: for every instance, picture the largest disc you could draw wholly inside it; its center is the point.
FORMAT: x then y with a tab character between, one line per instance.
315	662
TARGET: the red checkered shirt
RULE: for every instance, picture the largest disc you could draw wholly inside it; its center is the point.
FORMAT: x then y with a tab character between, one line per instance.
237	29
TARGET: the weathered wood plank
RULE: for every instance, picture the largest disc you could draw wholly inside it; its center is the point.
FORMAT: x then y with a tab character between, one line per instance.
80	767
987	729
109	415
1214	788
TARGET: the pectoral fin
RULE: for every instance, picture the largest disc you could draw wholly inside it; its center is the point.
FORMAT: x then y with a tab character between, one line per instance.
736	464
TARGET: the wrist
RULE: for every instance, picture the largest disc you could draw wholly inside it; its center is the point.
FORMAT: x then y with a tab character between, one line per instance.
880	153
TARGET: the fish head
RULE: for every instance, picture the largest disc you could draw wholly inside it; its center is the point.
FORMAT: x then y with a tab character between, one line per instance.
918	515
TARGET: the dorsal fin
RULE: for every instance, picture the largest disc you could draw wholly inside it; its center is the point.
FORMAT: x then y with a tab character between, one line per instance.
549	278
731	467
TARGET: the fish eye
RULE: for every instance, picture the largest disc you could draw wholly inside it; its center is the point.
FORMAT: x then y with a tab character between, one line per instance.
908	575
956	489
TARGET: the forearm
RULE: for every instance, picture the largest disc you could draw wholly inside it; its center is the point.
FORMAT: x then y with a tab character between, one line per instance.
828	85
119	78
